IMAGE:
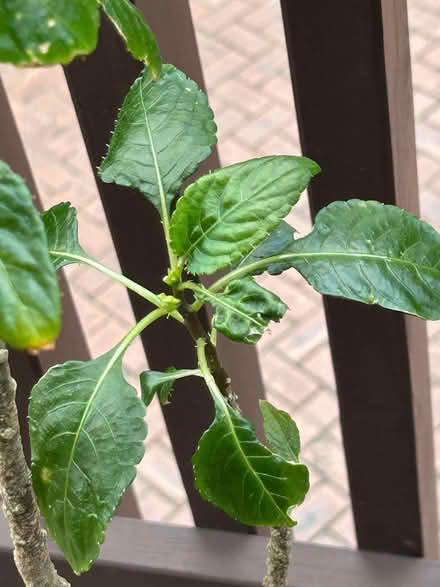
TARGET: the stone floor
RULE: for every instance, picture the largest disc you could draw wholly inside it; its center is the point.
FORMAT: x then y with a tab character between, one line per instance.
244	59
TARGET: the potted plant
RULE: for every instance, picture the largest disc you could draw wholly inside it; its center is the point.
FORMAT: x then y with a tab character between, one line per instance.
86	422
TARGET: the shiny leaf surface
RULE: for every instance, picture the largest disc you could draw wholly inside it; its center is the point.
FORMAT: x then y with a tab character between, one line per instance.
244	309
275	244
226	214
131	25
240	475
87	430
61	226
373	253
162	383
30	309
164	130
281	432
37	32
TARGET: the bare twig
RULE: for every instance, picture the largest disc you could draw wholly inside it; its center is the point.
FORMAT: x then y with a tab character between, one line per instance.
31	552
278	558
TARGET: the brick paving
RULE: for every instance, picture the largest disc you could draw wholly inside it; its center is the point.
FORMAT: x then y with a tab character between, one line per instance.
245	64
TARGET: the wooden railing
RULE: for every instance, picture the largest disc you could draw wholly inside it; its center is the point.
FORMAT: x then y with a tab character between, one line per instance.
351	75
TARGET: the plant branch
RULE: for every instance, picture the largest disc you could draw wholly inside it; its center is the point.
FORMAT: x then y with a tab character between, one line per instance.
279	547
278	557
195	328
31	552
125	281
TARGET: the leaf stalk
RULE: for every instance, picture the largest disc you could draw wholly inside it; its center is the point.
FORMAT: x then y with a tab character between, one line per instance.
122	279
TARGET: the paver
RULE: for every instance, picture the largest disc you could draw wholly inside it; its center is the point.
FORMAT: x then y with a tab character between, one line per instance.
245	64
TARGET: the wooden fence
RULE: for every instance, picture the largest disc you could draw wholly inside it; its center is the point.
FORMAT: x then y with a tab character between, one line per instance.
351	76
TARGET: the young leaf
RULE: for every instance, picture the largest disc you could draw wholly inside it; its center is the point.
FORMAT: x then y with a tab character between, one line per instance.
164	130
87	430
372	253
61	227
243	309
275	244
240	475
30	309
281	432
136	33
153	382
226	214
33	32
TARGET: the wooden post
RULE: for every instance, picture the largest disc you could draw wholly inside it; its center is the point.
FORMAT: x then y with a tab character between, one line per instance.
351	73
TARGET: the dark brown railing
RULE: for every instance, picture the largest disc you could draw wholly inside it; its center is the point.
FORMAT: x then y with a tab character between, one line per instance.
351	75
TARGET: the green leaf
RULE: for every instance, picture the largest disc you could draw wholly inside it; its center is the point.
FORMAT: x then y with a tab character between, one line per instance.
164	130
162	383
240	475
244	309
277	241
226	214
281	432
136	33
37	32
87	430
372	253
61	225
30	308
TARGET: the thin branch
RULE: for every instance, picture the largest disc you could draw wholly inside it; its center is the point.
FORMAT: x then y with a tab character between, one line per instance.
278	557
31	552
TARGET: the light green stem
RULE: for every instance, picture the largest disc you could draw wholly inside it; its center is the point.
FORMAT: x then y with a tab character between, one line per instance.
221	283
136	330
206	371
128	283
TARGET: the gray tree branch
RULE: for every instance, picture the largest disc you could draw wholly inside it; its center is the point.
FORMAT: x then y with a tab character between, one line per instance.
31	552
278	557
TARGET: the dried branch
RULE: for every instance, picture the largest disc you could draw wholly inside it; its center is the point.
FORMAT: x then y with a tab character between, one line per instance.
31	552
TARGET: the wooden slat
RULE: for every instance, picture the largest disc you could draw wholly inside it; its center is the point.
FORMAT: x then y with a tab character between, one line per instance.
98	86
352	81
136	553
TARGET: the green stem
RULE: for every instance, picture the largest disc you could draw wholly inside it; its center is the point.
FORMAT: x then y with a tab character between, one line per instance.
221	283
128	283
197	331
206	371
136	330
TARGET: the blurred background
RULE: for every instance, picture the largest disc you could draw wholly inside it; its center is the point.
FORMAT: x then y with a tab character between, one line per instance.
244	58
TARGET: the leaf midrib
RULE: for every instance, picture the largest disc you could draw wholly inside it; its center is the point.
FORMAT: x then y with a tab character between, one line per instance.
85	415
265	263
221	404
245	458
163	204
